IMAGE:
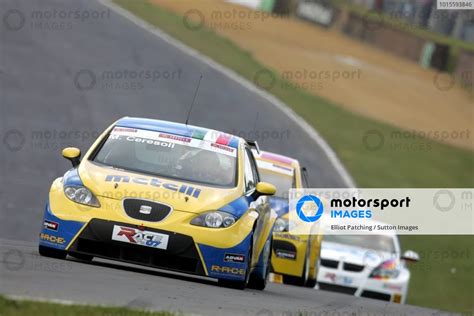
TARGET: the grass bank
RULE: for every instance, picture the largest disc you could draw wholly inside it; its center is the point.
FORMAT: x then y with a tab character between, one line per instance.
9	307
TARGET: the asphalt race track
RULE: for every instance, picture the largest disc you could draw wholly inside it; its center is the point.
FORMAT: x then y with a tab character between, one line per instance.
62	85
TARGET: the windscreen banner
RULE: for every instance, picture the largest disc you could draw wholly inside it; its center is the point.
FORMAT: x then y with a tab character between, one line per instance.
380	211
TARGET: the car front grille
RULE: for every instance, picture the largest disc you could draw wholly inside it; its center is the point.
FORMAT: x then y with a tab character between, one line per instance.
146	210
329	263
353	267
376	295
337	288
181	254
284	249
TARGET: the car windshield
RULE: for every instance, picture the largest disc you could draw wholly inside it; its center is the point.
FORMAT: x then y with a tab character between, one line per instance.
169	155
375	242
282	178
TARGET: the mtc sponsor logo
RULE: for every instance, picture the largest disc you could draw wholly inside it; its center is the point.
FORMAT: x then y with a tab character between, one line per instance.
51	225
230	270
230	257
52	239
185	189
139	237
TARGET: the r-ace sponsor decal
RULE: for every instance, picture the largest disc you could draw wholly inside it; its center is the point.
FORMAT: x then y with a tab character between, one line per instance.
231	257
139	237
228	270
52	239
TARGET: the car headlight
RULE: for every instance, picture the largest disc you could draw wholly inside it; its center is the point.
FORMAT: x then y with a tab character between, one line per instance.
281	225
81	195
215	219
387	270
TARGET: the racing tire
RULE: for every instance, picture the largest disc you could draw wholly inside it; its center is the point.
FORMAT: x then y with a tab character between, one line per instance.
299	281
292	280
51	252
258	283
311	283
81	256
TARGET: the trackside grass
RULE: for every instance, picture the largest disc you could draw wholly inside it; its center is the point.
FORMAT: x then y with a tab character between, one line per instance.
376	154
9	307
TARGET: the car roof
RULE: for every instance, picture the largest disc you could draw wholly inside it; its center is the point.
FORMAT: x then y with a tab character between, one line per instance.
277	159
181	130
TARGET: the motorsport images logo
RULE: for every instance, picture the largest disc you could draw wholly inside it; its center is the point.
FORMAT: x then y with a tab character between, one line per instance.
309	208
410	211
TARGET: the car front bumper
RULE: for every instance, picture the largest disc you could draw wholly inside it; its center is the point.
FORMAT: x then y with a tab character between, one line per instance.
359	284
289	254
190	248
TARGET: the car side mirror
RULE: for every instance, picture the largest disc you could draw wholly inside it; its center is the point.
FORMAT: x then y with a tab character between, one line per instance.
264	188
73	155
410	256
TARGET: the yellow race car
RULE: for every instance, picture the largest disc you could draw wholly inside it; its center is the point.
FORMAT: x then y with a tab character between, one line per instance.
294	258
164	195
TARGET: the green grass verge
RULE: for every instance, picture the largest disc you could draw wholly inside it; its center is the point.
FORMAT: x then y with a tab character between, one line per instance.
9	307
444	277
373	152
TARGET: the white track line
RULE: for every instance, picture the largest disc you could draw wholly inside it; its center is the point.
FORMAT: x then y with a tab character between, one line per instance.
242	81
43	300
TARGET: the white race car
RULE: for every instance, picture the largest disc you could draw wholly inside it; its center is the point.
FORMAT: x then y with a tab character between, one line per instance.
365	265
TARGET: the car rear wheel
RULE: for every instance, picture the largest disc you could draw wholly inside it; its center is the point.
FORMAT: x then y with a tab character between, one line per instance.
51	252
311	283
299	281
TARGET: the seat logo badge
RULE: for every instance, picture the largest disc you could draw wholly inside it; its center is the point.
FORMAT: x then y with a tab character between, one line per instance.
145	210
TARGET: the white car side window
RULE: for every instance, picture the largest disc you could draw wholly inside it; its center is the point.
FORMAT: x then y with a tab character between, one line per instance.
249	176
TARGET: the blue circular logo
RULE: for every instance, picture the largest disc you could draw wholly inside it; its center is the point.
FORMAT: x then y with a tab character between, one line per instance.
302	215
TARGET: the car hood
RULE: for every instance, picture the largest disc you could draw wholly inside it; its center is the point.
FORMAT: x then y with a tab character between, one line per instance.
118	184
354	255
